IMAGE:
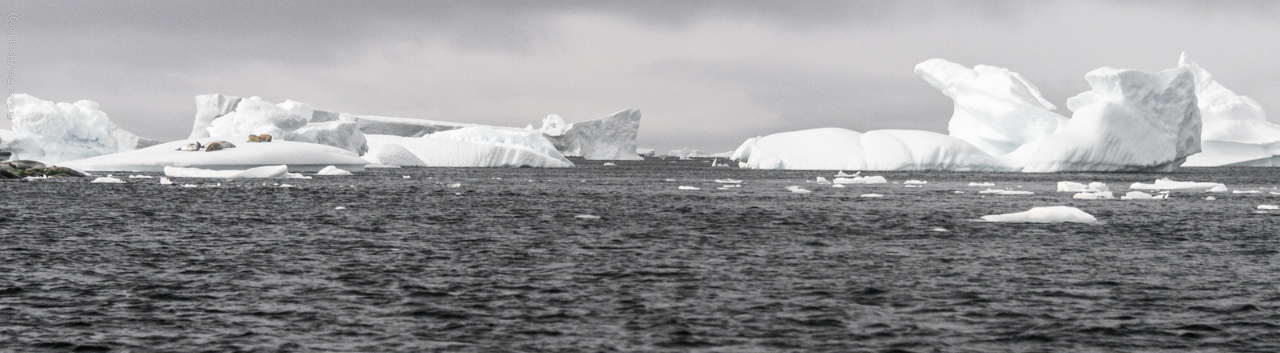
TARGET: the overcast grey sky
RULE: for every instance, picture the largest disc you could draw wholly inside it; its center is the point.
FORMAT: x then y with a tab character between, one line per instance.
705	74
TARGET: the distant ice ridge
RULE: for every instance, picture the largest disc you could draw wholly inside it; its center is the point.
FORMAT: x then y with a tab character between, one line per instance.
1130	121
57	132
1236	130
264	172
609	138
475	146
234	118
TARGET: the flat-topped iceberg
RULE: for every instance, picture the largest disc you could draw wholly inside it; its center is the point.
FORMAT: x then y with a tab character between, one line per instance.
609	138
299	156
837	149
52	132
1236	131
470	147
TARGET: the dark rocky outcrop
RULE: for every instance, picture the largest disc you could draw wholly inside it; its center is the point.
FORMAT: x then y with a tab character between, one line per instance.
23	168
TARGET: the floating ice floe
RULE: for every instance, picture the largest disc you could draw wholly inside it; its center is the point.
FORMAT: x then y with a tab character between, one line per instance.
333	171
871	195
1219	188
798	190
1067	186
1005	192
1094	195
1166	184
837	186
108	179
1245	192
915	182
267	172
339	208
53	133
842	174
165	181
1210	198
286	185
1138	195
141	177
982	184
299	156
1050	214
1268	207
587	216
610	164
455	185
875	179
686	187
726	181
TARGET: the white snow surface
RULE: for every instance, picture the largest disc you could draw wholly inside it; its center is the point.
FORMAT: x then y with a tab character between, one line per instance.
1049	214
299	156
1167	184
472	147
264	172
996	110
52	132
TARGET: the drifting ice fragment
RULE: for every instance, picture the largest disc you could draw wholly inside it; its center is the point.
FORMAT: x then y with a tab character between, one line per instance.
798	190
871	195
1166	184
108	179
1138	195
982	184
1245	192
1098	195
1219	188
1067	186
455	185
165	181
1210	198
842	174
609	164
722	181
1268	207
915	182
141	177
1005	192
685	187
876	179
339	208
586	216
1051	214
822	180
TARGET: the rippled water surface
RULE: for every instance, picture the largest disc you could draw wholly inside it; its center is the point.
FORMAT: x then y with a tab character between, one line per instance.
503	263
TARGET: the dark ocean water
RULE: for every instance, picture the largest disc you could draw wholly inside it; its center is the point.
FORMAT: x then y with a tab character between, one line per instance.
503	265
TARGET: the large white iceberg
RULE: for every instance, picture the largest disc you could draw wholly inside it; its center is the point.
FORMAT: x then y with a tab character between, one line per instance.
233	118
1050	214
609	138
1236	130
299	156
996	110
1130	121
470	147
840	149
56	132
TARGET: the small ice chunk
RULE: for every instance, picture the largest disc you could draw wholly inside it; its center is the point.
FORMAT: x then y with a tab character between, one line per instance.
1219	188
286	185
686	187
871	195
190	186
958	192
609	164
939	229
455	185
842	174
1138	195
798	190
913	186
108	179
822	180
862	180
165	181
662	180
339	208
837	186
1050	214
1067	186
1166	184
1005	192
1210	198
1245	192
982	184
915	182
1100	195
141	177
1268	207
406	177
586	216
333	170
726	181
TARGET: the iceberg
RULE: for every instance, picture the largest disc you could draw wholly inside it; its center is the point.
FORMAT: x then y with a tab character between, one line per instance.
390	154
883	150
686	153
235	118
1067	186
333	171
52	132
1130	121
609	138
299	156
1050	214
264	172
1236	131
471	147
996	110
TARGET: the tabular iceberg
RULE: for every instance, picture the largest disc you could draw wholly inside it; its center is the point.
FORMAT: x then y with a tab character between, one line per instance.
1236	130
837	149
609	138
299	156
56	132
234	118
469	147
